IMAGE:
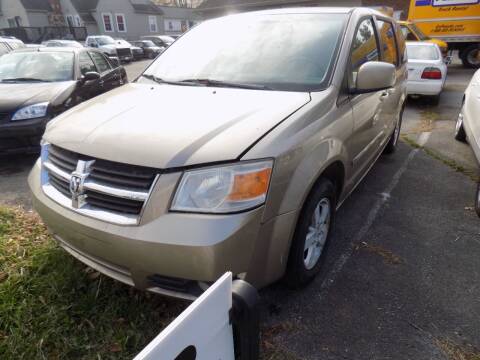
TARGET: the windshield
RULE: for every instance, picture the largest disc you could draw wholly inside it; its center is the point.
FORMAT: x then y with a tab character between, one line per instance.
36	66
291	52
422	52
105	40
148	43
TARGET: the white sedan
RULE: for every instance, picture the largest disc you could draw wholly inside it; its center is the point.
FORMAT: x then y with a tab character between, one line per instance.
427	71
468	126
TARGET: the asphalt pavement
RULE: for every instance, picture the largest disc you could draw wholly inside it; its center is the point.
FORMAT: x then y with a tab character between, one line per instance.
402	277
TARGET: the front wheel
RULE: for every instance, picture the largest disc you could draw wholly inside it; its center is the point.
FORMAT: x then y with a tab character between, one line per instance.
312	235
460	134
392	143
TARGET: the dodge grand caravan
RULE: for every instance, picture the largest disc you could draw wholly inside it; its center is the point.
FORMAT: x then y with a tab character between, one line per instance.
233	156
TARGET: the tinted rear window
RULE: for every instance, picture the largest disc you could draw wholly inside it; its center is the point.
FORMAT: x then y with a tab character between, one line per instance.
419	52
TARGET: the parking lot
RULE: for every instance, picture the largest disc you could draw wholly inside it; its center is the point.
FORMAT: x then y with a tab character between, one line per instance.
403	275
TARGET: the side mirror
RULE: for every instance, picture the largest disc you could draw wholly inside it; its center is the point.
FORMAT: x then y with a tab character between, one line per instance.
374	76
95	45
114	60
90	76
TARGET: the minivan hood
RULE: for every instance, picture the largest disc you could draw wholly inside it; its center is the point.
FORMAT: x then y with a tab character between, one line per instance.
165	126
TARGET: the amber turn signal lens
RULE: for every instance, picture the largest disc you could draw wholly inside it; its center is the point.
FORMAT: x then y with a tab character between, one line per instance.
250	185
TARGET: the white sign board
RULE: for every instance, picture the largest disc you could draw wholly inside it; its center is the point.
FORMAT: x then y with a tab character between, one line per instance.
453	2
203	329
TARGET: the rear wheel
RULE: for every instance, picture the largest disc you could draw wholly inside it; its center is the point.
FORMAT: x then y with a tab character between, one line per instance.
312	235
435	99
470	56
460	134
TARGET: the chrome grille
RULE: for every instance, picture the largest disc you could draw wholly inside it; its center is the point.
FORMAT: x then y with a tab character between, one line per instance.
106	188
124	52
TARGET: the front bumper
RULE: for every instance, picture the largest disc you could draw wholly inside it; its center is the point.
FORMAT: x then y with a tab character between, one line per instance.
165	254
21	136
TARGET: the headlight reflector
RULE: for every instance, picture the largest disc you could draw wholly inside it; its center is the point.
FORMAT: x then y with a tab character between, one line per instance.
224	189
31	112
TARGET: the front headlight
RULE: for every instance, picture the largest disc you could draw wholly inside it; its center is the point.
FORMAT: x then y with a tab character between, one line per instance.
224	189
31	112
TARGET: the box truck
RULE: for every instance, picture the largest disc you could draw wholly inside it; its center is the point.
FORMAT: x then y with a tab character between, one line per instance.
457	22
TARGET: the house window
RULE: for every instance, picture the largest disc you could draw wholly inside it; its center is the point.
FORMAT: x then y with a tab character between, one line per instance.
78	22
121	25
107	22
152	24
69	20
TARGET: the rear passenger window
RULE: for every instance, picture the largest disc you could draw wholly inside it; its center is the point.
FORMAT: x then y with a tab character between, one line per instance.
86	63
101	63
387	39
364	48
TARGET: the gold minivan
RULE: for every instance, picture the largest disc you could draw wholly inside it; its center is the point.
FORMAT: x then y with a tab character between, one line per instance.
231	155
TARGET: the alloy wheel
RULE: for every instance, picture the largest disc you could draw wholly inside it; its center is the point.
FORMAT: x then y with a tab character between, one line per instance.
317	233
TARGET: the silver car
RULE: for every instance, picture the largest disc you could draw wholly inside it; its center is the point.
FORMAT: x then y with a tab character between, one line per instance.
232	155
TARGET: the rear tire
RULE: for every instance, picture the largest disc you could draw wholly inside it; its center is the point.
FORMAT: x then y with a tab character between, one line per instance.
435	99
460	134
470	56
312	235
392	143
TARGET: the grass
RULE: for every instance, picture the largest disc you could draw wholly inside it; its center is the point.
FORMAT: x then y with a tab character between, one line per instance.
53	307
454	351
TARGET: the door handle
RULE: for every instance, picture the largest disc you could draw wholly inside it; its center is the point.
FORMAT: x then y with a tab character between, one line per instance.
385	94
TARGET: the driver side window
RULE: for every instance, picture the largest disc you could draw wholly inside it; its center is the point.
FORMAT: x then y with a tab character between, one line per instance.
364	48
86	63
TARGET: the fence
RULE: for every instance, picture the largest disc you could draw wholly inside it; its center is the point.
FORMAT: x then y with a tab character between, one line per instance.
39	34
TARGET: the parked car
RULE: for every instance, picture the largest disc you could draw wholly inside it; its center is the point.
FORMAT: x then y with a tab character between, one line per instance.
62	43
427	70
219	160
4	48
13	42
468	127
150	50
37	85
159	40
137	52
109	47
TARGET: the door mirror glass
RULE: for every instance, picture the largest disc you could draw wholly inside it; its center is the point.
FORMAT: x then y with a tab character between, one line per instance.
375	76
115	61
91	75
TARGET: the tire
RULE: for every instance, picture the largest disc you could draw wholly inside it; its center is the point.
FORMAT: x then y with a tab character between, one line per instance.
316	222
470	56
477	201
460	134
435	99
392	143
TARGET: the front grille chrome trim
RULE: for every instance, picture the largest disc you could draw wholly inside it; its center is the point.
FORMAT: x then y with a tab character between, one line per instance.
119	202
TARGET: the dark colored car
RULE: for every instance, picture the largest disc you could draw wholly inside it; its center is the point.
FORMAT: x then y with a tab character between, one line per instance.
36	85
150	50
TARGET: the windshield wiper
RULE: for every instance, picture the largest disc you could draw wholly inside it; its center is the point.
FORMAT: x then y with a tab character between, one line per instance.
230	84
160	80
24	79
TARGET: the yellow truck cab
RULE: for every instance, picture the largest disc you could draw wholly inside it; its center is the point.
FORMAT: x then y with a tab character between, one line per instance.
412	33
456	22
